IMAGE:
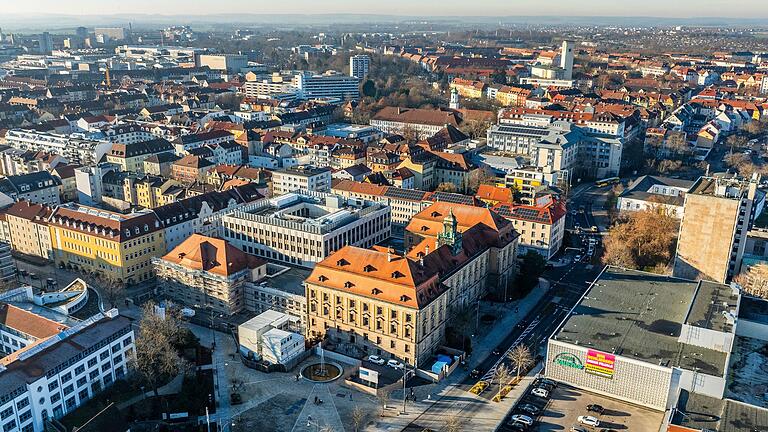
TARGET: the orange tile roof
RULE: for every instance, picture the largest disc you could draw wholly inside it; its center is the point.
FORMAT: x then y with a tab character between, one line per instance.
29	323
429	222
494	193
378	275
213	255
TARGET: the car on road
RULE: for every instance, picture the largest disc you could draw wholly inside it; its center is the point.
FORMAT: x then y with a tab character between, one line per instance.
595	408
376	360
496	352
476	373
524	419
530	409
540	392
395	364
577	428
589	421
577	258
593	228
34	276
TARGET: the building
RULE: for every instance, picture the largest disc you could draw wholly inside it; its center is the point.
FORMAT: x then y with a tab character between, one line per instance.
566	60
116	246
541	226
304	177
28	227
206	272
682	339
230	63
655	192
373	301
328	85
38	187
271	336
61	367
131	157
281	291
359	65
73	147
717	214
111	33
302	228
424	122
7	263
191	168
45	43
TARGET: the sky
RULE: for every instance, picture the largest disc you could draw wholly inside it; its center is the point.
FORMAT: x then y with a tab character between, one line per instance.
627	8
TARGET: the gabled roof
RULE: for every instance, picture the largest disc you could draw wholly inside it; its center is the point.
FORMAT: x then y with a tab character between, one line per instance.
494	193
29	323
429	222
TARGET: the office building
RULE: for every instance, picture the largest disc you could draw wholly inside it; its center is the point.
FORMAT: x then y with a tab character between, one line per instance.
305	177
7	263
57	366
717	214
328	85
45	43
655	192
566	60
116	246
271	336
359	65
425	122
302	228
207	273
541	225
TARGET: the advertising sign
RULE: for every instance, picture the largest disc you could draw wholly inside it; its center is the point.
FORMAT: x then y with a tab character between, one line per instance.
600	363
369	375
568	360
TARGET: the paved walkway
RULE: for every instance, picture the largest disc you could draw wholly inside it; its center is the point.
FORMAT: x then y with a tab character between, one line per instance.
317	416
438	402
172	387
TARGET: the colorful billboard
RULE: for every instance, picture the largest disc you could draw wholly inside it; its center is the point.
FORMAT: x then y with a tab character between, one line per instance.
600	363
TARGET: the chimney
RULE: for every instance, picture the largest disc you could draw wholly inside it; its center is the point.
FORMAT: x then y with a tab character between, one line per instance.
389	256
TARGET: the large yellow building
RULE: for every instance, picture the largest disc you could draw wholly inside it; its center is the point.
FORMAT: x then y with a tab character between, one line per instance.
115	246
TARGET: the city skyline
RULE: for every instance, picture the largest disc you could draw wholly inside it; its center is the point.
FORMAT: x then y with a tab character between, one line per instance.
599	8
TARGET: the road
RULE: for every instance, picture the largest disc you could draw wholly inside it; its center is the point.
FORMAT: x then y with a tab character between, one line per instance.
567	284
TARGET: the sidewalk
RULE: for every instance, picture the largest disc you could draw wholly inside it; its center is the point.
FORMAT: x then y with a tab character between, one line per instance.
171	388
437	402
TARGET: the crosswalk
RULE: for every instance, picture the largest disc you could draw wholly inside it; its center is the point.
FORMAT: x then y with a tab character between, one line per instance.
492	371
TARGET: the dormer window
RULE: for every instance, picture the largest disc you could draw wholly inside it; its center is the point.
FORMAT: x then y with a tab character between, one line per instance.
342	262
424	228
404	298
376	291
435	214
369	268
322	278
396	274
348	284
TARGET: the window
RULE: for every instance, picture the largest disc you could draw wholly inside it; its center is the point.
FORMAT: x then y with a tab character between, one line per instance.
79	370
68	389
55	397
53	385
81	382
66	377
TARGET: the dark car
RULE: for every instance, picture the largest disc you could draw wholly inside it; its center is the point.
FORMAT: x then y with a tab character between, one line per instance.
476	373
516	426
530	409
496	352
595	408
235	399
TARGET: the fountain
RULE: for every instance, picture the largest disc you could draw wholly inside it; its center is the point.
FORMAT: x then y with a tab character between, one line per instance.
322	371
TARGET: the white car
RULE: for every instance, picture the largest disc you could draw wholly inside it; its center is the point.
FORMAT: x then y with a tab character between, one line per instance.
377	360
589	421
395	364
540	392
524	419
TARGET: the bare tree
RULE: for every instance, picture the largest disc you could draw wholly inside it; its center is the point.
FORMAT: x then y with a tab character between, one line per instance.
156	358
521	359
410	134
383	398
502	376
643	240
452	424
358	418
111	291
446	187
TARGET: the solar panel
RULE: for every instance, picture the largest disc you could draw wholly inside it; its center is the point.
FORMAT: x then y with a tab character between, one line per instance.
407	194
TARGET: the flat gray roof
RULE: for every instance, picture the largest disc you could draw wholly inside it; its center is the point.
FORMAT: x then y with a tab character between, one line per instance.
290	281
639	315
701	412
711	301
754	309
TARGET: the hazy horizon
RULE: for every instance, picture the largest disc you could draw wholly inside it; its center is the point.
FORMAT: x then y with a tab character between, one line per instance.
749	9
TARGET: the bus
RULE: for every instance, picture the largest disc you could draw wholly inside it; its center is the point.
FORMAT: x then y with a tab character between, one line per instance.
607	182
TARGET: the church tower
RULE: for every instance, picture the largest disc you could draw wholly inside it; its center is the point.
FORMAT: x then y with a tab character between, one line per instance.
450	235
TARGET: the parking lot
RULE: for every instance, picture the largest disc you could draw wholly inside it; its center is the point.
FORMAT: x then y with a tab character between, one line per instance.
565	404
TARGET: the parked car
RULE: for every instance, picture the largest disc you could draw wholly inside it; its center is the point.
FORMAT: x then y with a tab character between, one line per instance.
530	409
476	373
377	360
577	428
540	392
595	408
548	382
524	419
395	364
517	426
589	421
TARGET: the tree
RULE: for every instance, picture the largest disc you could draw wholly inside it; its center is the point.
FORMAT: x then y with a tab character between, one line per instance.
358	418
531	268
369	88
452	424
502	375
382	396
111	291
156	356
643	240
521	359
480	176
446	187
410	134
754	280
475	128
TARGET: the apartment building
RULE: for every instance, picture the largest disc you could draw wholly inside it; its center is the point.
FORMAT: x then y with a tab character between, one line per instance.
649	192
131	157
717	215
328	85
28	227
75	148
117	246
231	63
425	122
541	226
304	177
304	227
191	169
38	187
207	272
60	367
359	65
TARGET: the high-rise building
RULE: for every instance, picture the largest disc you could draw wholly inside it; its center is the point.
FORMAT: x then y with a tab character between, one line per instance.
566	60
359	65
717	215
328	85
46	43
81	32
